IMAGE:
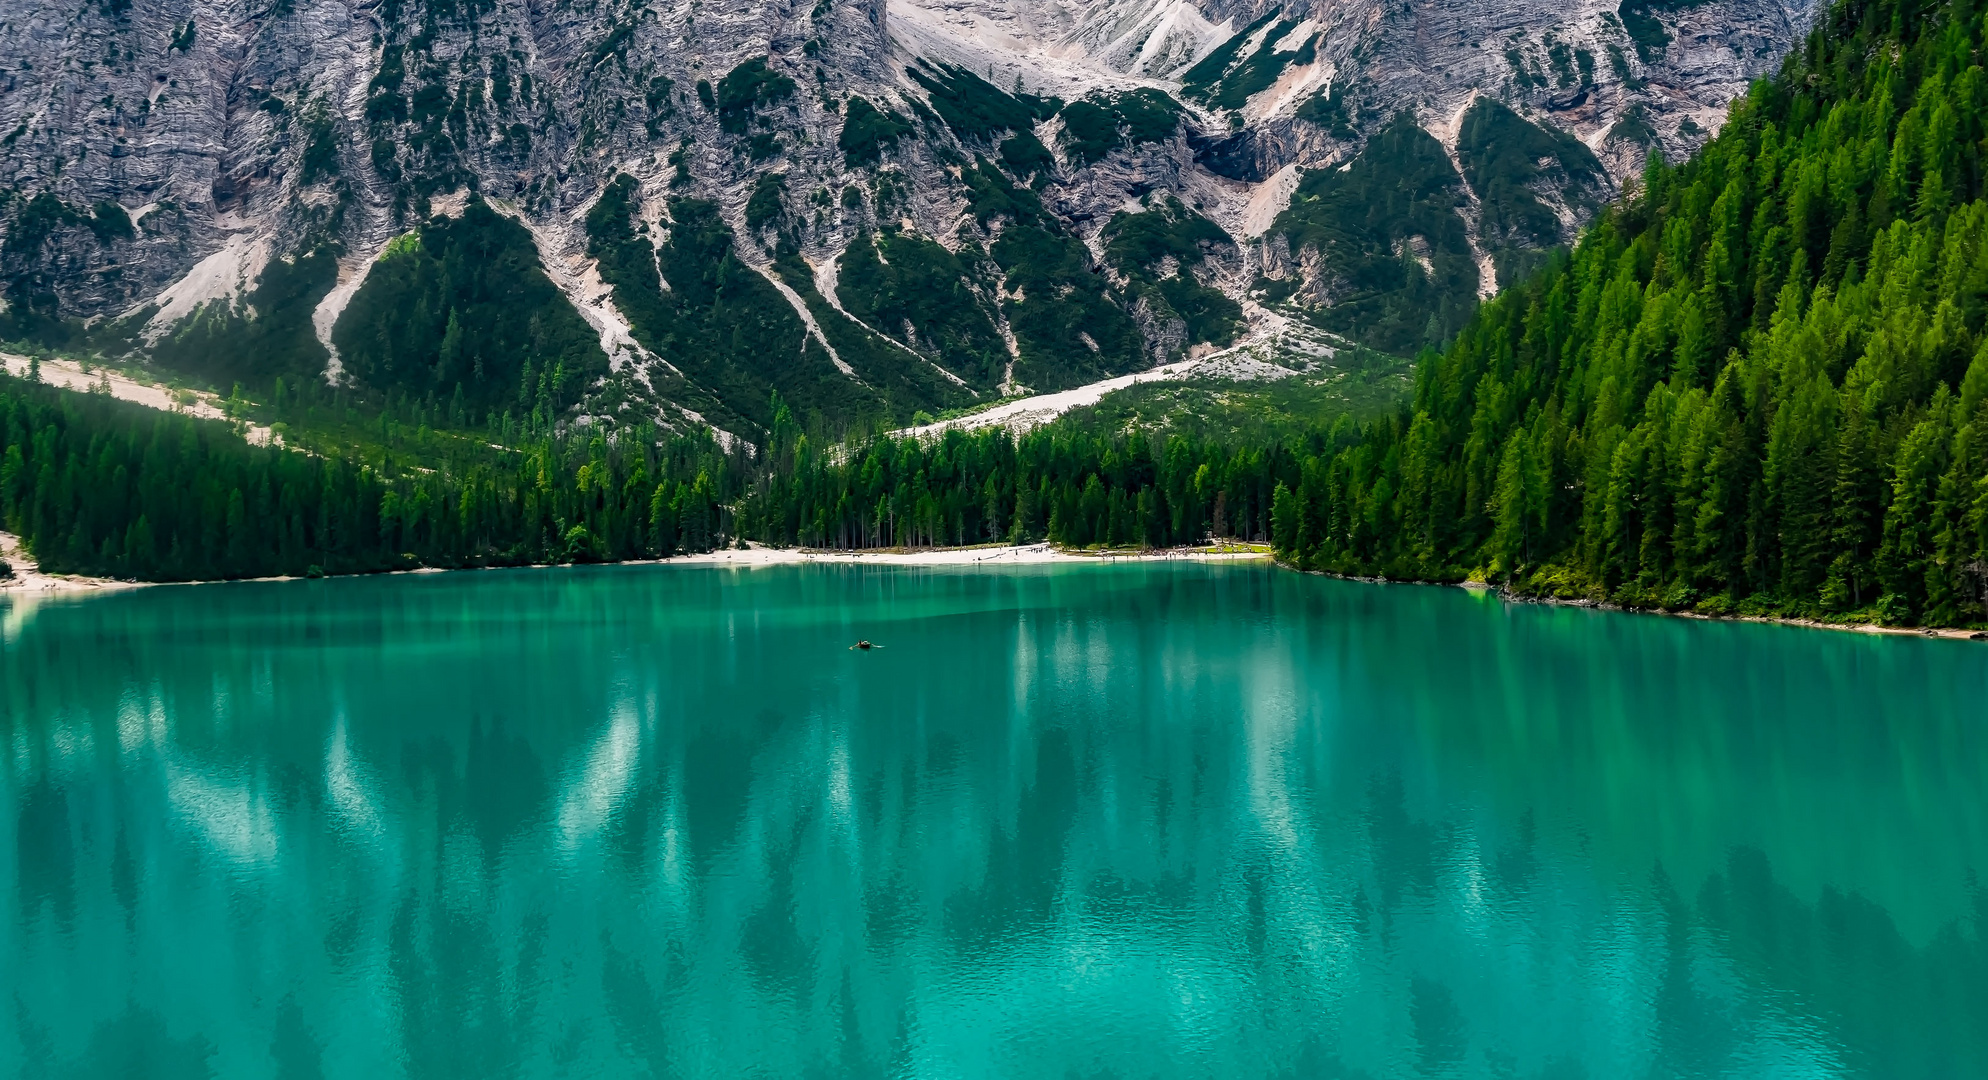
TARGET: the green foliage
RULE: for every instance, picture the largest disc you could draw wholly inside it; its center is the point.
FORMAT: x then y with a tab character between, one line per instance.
906	380
1255	73
1139	243
1068	324
704	95
386	160
765	206
1758	387
99	486
656	97
746	89
500	82
1069	328
38	220
1074	487
720	323
1357	384
1508	161
680	164
1618	65
1644	29
866	131
182	40
1521	74
1157	251
627	263
1103	122
891	189
320	157
465	307
385	104
991	197
109	222
615	44
1634	126
732	331
265	336
1210	316
430	102
28	270
1376	222
1200	80
1562	59
923	295
1024	155
973	107
1761	386
1330	111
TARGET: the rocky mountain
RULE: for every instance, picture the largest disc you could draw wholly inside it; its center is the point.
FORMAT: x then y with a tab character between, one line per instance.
513	209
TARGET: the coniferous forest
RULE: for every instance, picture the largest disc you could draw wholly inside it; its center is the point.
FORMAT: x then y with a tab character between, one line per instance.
99	486
1756	384
1759	384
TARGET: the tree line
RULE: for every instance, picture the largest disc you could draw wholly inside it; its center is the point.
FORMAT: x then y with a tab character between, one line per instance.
1758	384
103	487
1070	486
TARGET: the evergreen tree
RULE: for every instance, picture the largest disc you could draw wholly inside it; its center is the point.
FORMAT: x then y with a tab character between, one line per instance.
1730	429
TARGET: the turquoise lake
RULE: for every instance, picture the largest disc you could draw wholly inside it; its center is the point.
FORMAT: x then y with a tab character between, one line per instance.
1075	821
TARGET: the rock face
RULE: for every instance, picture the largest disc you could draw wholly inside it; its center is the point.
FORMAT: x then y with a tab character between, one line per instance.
1091	186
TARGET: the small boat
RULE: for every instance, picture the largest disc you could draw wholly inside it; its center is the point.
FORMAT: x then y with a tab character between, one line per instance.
865	645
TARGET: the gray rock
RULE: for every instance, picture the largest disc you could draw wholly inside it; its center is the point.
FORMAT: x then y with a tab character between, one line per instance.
229	132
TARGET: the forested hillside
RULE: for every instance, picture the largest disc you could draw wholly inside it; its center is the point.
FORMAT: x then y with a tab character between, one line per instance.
1758	384
99	486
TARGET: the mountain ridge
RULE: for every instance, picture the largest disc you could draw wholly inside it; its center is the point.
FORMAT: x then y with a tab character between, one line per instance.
227	141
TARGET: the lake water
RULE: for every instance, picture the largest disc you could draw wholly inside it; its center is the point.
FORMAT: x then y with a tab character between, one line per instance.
1081	822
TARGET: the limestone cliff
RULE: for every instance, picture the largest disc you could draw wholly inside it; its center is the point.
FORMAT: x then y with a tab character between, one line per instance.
935	201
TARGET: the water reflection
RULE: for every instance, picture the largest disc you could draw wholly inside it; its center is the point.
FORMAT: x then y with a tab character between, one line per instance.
1096	822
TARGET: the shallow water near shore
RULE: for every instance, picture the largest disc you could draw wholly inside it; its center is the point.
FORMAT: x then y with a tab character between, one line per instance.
1140	820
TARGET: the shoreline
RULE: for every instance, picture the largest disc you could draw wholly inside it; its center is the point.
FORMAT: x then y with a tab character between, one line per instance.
1506	595
29	581
980	555
1949	633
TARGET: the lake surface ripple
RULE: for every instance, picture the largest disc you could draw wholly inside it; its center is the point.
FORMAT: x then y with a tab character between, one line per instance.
1070	822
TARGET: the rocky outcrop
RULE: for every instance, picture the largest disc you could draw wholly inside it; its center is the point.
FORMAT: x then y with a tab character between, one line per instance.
158	155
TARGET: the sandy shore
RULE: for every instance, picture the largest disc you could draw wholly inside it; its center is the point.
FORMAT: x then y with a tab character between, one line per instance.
28	578
990	555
